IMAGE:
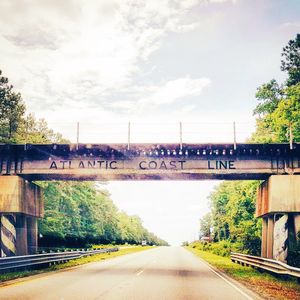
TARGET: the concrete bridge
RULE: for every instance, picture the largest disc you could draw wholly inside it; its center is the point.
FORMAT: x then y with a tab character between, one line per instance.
278	201
149	161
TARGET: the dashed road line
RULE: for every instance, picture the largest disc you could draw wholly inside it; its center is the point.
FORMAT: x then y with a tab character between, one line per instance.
139	273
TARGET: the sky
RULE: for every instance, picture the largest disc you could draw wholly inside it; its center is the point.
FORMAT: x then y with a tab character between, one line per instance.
152	63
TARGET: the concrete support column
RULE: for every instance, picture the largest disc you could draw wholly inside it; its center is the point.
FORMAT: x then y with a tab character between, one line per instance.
21	203
279	206
270	236
32	233
264	237
22	244
297	224
283	233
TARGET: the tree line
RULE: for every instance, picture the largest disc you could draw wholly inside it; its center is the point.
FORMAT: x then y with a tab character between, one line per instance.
80	213
277	120
76	213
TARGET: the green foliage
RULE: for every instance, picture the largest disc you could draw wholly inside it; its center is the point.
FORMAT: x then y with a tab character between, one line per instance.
205	225
12	109
265	284
78	214
275	124
291	61
233	220
35	131
269	96
279	105
222	248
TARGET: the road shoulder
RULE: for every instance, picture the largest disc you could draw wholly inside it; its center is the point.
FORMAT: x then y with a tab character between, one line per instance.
264	285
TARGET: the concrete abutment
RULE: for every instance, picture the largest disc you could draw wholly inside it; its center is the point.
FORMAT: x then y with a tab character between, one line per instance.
21	203
278	204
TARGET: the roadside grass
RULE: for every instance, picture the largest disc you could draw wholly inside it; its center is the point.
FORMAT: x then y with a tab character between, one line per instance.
72	263
264	284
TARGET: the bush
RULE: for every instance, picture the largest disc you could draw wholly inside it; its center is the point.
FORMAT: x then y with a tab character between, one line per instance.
222	248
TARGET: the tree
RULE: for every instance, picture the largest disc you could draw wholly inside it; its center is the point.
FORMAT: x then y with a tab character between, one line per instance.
233	207
274	125
278	107
12	109
287	115
291	61
269	95
205	225
35	131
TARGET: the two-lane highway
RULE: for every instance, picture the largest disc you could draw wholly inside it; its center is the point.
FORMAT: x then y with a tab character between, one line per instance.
160	273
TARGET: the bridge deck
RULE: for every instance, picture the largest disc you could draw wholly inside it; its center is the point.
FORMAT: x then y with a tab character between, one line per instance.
148	161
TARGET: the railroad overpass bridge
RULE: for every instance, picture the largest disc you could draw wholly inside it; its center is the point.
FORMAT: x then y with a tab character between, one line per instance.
278	201
149	161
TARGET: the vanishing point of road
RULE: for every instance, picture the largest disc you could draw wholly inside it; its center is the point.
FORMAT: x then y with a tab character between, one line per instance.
160	273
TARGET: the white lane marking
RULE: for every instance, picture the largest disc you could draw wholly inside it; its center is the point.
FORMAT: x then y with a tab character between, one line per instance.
226	280
139	273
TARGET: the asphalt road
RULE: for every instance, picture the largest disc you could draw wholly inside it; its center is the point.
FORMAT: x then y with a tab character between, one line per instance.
160	273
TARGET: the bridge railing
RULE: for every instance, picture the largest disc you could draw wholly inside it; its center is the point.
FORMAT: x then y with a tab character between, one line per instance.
271	265
205	131
13	263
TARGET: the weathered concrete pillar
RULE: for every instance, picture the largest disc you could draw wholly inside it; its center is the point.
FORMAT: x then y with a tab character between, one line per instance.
278	203
22	239
297	224
264	236
19	200
281	237
32	233
270	237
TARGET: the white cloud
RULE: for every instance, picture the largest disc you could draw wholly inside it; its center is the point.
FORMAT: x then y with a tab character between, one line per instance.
221	1
174	90
80	50
290	25
148	98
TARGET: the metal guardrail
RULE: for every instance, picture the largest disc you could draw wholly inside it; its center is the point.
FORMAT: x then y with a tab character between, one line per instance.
268	264
16	262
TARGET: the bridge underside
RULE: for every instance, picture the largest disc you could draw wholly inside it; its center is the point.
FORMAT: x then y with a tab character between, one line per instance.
144	177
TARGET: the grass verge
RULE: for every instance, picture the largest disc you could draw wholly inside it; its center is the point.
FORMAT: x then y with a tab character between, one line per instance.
72	263
264	284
